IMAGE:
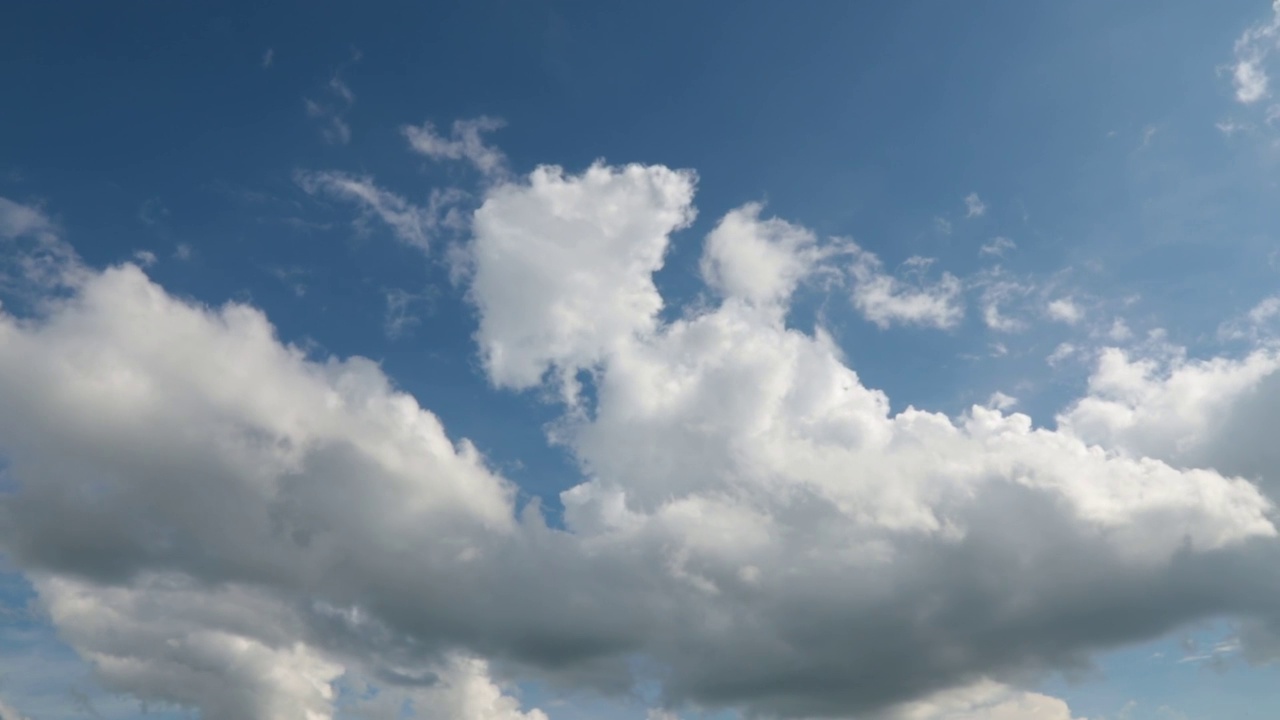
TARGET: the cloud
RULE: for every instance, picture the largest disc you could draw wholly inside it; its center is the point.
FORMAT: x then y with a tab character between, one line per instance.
996	293
885	299
465	143
33	258
268	58
17	220
412	224
332	108
997	247
973	206
1064	310
563	265
759	261
985	700
214	518
1252	50
402	312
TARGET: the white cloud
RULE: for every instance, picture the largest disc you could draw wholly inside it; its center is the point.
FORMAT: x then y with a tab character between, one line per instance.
985	700
973	206
886	300
1061	353
145	258
943	225
465	143
1252	51
997	247
563	265
268	58
997	293
1065	310
1255	325
1001	401
17	220
214	518
412	224
759	261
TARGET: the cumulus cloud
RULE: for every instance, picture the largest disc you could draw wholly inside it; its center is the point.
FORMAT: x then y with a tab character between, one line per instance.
564	263
464	143
412	224
214	518
885	299
759	261
984	700
1252	50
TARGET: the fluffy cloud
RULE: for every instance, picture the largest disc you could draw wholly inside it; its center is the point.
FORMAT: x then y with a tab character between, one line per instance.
1065	310
759	261
214	518
886	299
985	700
563	265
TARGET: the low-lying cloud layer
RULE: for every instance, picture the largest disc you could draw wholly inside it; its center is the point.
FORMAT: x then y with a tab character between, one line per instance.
214	518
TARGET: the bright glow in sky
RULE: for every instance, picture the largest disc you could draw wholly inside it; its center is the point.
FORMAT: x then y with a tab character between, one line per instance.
657	361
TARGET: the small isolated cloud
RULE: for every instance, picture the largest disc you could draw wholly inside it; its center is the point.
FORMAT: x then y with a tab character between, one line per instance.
1252	50
412	224
1231	127
334	103
997	247
152	212
404	312
974	207
144	258
464	143
998	292
268	58
1065	310
183	251
1119	331
886	300
1001	401
1148	134
1060	354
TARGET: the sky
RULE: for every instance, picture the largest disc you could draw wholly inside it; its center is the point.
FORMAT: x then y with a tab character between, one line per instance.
542	360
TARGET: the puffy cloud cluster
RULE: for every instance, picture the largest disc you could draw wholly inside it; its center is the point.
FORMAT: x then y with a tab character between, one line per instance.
215	519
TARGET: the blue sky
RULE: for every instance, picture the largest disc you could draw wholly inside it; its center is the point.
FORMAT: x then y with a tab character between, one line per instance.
703	285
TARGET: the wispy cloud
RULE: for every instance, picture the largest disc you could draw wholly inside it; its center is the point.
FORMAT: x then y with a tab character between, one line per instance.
997	247
412	224
331	109
464	143
885	299
1252	49
268	58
